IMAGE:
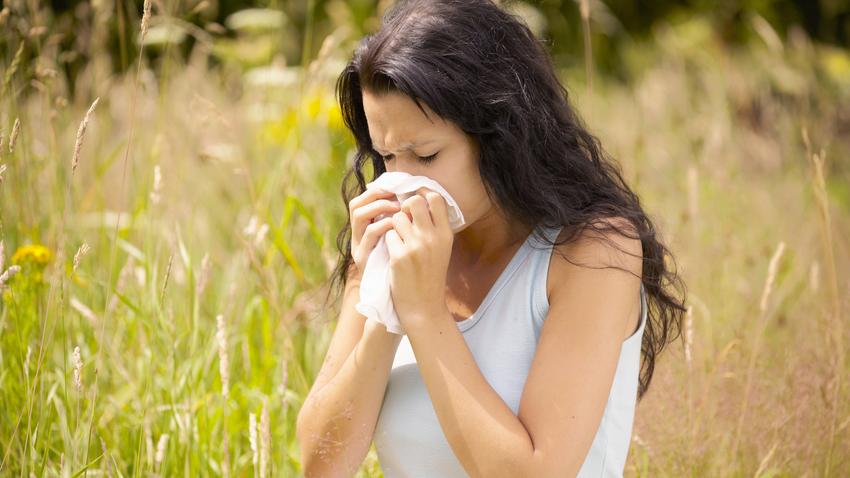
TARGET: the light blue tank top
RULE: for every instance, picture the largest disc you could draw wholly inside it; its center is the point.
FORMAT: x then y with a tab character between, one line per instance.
502	335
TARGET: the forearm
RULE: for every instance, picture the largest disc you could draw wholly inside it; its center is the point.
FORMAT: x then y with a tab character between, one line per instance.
485	435
338	421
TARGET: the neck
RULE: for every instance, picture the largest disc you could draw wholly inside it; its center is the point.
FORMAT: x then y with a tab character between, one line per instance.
486	240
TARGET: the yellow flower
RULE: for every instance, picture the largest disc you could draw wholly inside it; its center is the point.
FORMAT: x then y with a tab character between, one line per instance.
313	105
335	120
32	254
321	103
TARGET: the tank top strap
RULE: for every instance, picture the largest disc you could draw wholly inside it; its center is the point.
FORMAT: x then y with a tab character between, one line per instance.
540	258
540	254
643	312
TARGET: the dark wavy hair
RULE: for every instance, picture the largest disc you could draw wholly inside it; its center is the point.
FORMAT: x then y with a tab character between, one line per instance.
477	65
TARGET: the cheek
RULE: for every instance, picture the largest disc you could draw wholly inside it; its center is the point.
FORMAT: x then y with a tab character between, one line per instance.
471	198
462	180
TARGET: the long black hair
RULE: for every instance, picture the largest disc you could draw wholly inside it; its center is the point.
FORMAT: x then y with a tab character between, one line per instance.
477	65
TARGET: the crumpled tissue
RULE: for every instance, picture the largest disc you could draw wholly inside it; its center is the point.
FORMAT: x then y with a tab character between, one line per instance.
375	298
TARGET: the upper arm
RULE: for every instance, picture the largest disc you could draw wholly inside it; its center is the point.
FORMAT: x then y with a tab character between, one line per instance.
590	311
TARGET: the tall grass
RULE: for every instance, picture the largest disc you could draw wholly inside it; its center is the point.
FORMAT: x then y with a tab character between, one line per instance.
163	270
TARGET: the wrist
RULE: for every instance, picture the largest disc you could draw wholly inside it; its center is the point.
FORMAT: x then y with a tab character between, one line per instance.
377	332
428	316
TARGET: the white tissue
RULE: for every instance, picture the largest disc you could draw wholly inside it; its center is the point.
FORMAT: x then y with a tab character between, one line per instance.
375	298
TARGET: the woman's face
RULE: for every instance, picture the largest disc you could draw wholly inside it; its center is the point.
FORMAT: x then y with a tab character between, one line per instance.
403	136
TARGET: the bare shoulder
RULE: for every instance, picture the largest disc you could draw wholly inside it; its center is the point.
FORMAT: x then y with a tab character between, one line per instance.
591	306
604	254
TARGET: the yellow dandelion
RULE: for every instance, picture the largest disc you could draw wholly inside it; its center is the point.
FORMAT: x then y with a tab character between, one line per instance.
313	105
335	117
35	254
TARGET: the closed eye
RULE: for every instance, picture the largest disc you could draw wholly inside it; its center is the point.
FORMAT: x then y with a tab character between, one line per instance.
423	159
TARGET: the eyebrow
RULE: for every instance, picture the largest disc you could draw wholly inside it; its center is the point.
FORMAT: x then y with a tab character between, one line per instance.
407	146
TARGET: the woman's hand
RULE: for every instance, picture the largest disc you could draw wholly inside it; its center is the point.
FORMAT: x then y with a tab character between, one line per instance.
365	233
420	249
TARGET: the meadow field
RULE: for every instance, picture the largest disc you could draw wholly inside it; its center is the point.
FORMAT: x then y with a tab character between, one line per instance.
168	235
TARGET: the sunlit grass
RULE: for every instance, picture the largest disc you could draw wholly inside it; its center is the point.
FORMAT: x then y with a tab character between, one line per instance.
229	206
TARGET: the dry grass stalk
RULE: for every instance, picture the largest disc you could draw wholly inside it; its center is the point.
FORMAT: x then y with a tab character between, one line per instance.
836	335
221	336
693	193
2	166
77	361
27	361
106	454
81	134
763	465
13	67
10	272
148	443
157	185
203	276
757	340
814	276
771	276
146	17
37	31
225	465
13	136
161	445
265	440
165	282
83	250
283	382
252	439
584	7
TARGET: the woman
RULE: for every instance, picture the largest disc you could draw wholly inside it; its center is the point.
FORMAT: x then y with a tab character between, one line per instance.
525	329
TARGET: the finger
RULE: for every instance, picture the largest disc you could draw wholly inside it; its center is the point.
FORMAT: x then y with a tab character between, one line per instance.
395	245
439	210
402	225
368	196
365	215
417	207
373	234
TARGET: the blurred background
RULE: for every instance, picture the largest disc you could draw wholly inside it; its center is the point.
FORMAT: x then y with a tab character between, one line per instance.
170	199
